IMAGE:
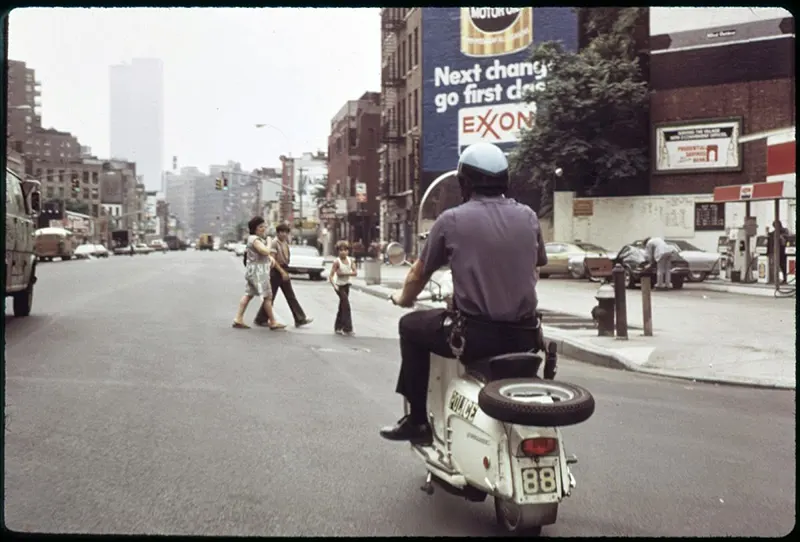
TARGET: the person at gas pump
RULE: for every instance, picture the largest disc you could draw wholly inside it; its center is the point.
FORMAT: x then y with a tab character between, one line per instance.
494	306
783	236
660	253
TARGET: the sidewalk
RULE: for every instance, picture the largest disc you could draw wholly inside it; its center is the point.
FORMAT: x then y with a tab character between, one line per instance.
698	334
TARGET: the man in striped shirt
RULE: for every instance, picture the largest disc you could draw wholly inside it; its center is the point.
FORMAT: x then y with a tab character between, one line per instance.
279	278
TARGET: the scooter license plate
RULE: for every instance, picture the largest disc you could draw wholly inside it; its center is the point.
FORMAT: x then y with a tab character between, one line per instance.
540	480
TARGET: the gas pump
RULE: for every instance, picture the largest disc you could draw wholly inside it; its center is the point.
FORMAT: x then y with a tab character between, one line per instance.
791	255
725	248
764	259
741	257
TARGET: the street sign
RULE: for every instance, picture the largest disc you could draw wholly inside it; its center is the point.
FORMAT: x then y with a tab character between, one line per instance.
361	192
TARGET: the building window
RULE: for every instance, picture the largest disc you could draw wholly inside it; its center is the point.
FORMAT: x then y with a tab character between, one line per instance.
60	191
51	192
85	176
95	210
402	58
416	107
353	137
416	46
410	54
95	178
28	119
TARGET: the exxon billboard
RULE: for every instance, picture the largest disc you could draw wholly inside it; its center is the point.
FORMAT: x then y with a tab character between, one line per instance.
475	68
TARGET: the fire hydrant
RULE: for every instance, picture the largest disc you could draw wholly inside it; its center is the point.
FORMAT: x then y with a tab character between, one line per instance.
603	313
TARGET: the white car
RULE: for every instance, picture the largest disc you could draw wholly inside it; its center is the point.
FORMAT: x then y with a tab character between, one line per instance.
89	250
141	248
159	245
239	249
304	259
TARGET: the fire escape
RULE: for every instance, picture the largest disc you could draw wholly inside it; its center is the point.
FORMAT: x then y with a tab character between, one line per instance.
392	84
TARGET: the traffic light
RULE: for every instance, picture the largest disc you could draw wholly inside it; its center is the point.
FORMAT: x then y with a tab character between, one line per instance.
76	182
224	182
219	184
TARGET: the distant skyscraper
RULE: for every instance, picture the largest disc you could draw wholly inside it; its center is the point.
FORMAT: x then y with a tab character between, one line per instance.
137	117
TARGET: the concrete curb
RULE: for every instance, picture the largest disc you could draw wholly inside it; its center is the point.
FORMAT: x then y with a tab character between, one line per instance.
603	357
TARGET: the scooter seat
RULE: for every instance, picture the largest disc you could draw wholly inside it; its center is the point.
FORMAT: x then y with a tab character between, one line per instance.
514	365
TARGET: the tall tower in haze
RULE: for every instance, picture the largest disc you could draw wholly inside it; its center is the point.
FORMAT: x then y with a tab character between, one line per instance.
137	117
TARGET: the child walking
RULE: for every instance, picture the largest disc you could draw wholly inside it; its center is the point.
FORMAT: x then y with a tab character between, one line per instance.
343	268
257	268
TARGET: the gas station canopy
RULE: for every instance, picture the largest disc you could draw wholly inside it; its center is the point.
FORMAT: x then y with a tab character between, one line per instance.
781	164
756	191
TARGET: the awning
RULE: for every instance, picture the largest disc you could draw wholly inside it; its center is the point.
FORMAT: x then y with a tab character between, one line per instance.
755	191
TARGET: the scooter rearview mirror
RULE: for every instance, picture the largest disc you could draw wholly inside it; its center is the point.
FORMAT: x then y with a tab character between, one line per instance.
396	254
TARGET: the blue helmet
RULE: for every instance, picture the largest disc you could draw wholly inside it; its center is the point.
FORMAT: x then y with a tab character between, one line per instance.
483	165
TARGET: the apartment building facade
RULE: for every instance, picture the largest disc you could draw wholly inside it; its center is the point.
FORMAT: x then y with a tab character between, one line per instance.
401	111
354	169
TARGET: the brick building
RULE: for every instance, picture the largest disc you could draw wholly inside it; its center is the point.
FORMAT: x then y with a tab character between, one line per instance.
352	162
739	76
24	129
401	112
23	101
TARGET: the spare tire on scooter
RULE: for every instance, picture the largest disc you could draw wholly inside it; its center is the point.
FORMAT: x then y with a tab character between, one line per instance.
509	400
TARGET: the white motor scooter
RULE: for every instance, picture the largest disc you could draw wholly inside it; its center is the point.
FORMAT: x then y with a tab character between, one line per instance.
496	432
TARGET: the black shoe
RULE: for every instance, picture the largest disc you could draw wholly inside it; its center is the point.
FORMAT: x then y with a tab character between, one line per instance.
303	322
262	324
408	430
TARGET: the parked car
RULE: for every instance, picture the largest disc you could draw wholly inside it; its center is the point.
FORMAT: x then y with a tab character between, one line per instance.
702	264
100	251
141	248
239	248
634	260
306	259
158	245
567	258
87	250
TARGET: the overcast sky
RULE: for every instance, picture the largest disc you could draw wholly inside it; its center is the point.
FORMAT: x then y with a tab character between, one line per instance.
224	71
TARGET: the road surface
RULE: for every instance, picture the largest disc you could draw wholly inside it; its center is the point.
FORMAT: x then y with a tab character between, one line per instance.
132	406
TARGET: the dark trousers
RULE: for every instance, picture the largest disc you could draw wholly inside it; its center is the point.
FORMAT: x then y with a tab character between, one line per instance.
276	282
424	332
344	319
782	265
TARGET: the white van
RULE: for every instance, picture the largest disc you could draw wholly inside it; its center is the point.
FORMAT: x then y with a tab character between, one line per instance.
19	267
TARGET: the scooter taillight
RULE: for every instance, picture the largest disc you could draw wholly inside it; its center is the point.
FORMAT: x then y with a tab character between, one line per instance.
533	447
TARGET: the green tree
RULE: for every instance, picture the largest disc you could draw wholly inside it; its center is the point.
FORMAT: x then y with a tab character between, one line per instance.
319	193
591	117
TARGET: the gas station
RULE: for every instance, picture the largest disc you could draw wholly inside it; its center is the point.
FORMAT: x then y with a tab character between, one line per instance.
748	257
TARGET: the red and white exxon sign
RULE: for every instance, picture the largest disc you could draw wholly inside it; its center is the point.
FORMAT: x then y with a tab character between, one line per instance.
494	123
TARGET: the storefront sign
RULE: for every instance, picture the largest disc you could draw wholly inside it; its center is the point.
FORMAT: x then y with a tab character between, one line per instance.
711	145
361	192
709	217
583	207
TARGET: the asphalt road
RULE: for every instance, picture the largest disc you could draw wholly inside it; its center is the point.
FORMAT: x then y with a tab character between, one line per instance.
132	406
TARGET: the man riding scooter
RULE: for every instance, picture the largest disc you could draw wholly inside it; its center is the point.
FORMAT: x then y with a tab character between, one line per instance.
494	302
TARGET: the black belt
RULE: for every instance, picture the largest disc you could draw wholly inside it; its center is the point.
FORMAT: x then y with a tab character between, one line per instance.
524	322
